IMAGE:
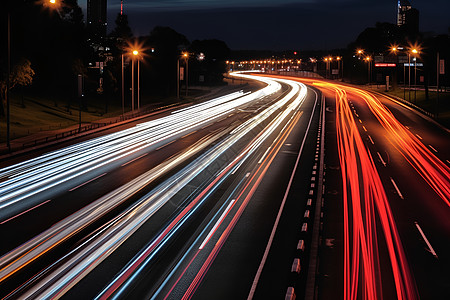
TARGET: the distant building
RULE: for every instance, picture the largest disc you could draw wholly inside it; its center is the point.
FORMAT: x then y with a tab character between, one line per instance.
403	6
96	19
407	17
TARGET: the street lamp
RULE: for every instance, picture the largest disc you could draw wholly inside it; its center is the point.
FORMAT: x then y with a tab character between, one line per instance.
134	56
414	51
135	51
368	59
359	52
339	58
186	57
327	67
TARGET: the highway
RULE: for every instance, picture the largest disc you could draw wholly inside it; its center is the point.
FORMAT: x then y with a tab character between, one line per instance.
388	175
224	135
305	187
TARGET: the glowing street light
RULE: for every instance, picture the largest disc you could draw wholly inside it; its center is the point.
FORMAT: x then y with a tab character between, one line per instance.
135	56
415	51
135	51
359	52
186	57
368	59
339	59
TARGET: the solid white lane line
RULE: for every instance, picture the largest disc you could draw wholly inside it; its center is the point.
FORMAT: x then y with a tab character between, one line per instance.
24	212
426	240
129	162
381	158
238	166
217	224
73	189
264	155
370	138
396	188
432	148
277	220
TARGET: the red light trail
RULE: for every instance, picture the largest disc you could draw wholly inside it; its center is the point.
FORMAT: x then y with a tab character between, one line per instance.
435	172
365	203
365	200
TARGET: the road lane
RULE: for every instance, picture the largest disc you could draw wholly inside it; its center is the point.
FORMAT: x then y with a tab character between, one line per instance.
415	181
276	107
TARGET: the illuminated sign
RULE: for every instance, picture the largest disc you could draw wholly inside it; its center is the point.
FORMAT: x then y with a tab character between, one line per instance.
413	64
384	65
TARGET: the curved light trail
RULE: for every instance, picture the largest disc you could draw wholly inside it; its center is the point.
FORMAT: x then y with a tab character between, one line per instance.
433	170
366	205
91	253
23	182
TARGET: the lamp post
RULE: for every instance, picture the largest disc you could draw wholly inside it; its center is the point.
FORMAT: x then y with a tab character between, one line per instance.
327	66
339	58
134	53
178	78
139	86
393	49
409	77
186	57
368	59
415	51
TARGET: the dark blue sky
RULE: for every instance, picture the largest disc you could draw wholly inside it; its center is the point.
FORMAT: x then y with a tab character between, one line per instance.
276	24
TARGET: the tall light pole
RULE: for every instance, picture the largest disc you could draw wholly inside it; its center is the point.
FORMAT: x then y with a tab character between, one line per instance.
139	88
368	59
394	50
415	51
134	53
339	66
409	77
186	56
178	78
327	66
330	68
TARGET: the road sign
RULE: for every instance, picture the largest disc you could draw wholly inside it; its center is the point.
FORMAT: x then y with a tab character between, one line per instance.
441	66
385	65
413	64
181	73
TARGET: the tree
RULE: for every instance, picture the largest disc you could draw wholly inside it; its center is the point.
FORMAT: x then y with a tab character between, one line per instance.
168	45
211	65
21	75
122	30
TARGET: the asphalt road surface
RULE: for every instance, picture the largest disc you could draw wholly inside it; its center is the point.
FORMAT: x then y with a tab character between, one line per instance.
73	219
323	191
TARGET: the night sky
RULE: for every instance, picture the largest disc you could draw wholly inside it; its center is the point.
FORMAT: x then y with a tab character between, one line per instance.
276	24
